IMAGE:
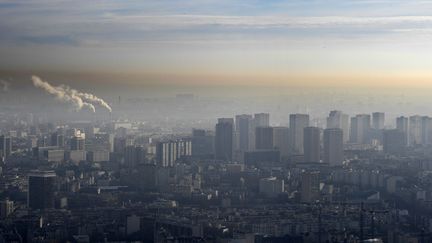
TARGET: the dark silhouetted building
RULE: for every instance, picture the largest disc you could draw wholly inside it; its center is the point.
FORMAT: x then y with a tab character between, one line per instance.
264	138
41	188
281	140
224	139
244	126
333	146
202	143
311	144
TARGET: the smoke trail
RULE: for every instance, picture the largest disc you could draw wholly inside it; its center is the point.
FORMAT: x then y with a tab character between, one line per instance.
60	93
5	85
87	97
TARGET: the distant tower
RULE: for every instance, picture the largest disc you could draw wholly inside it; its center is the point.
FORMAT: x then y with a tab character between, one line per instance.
378	120
262	119
264	138
333	146
311	144
337	119
297	123
415	130
402	125
5	146
360	129
244	131
281	140
310	187
41	187
224	139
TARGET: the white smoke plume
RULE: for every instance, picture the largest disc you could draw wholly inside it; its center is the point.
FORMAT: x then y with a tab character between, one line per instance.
61	94
90	98
4	85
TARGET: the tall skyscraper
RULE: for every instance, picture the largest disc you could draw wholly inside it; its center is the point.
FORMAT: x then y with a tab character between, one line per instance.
378	120
224	139
360	129
202	143
394	141
281	140
415	130
426	126
41	187
5	146
264	138
337	119
244	125
297	123
262	119
78	142
310	187
333	146
402	125
311	144
134	155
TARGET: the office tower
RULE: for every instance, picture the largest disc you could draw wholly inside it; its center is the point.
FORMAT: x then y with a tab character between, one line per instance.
57	139
78	142
262	119
135	155
360	129
281	140
337	119
259	120
394	141
167	152
415	130
5	146
202	143
264	138
41	187
243	131
297	123
378	120
402	125
426	128
333	146
310	187
224	139
311	144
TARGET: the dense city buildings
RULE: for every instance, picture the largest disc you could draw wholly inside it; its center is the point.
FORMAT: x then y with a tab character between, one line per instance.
131	181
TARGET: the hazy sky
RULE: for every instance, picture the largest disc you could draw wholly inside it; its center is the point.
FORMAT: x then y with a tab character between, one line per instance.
297	42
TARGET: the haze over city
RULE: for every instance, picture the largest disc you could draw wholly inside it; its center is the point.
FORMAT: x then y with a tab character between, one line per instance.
228	121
